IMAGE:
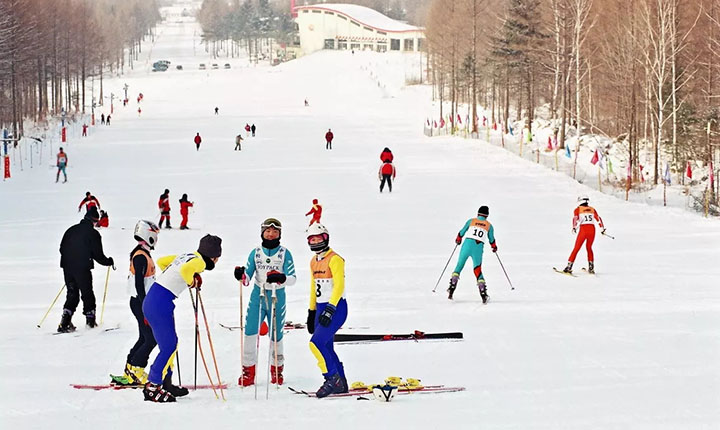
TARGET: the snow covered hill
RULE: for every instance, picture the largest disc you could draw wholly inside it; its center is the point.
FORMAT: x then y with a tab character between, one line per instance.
636	347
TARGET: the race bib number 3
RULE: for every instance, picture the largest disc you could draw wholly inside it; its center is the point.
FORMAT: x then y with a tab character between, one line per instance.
323	289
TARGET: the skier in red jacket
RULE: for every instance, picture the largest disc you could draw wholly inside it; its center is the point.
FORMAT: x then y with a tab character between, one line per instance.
184	206
328	139
198	141
164	206
386	174
316	212
89	201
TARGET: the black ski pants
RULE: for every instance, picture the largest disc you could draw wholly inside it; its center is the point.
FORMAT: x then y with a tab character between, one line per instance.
328	144
140	352
79	282
388	179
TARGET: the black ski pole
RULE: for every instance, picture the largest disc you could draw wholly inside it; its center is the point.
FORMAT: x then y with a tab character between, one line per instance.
444	269
605	234
196	333
177	358
505	272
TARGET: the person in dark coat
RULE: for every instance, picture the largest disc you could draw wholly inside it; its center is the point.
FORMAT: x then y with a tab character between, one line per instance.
253	128
328	139
80	245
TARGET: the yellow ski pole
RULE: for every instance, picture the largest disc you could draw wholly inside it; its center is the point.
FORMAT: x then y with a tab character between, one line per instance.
51	306
102	309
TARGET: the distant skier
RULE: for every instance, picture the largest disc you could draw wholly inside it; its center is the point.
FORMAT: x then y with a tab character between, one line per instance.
306	103
107	120
179	272
269	263
88	202
102	119
139	111
584	216
238	142
247	129
316	212
141	278
328	139
253	128
217	110
328	308
198	141
479	232
80	245
62	161
104	220
386	155
386	174
185	205
84	132
164	206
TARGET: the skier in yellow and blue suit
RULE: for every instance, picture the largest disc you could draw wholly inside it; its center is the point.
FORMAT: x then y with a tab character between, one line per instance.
179	272
477	232
328	308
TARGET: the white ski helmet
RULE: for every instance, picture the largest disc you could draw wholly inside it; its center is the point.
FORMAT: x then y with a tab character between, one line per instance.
583	199
317	229
384	393
147	231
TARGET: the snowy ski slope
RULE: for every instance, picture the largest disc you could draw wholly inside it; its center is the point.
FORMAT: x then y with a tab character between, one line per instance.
637	347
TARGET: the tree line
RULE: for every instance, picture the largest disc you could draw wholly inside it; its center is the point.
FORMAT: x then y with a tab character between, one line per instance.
49	50
643	72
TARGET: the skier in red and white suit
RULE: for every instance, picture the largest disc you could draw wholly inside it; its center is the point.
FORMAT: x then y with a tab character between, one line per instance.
585	216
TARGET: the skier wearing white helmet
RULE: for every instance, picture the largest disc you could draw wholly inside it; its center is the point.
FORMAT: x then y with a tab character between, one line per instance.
273	268
328	310
140	279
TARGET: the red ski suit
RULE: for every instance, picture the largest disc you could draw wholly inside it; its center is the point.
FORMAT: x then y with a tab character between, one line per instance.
585	216
316	212
184	206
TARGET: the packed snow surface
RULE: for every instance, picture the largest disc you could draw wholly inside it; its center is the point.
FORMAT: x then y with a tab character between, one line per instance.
637	347
365	15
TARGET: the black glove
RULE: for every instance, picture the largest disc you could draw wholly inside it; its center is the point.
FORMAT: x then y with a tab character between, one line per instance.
276	277
239	272
111	261
326	315
311	321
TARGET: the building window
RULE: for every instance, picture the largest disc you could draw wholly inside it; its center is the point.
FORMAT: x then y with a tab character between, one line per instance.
421	44
409	45
355	46
382	47
342	17
382	32
394	44
317	11
355	23
329	44
368	29
342	44
329	13
367	47
305	11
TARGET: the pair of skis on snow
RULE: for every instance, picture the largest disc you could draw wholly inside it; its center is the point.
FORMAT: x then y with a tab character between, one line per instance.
410	386
584	269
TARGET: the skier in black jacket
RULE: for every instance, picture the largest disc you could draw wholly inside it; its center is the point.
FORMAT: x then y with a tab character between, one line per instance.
80	245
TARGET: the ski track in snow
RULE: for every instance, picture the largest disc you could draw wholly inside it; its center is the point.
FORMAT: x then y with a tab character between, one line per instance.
636	347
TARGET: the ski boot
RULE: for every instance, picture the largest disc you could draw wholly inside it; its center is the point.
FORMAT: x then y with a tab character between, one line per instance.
568	268
90	319
453	284
591	267
276	376
132	377
175	390
248	377
156	393
483	290
332	385
66	325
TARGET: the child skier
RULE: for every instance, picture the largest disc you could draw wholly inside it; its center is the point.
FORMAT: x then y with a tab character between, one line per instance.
316	212
164	206
185	205
270	263
585	216
140	279
386	173
104	220
179	272
328	308
479	232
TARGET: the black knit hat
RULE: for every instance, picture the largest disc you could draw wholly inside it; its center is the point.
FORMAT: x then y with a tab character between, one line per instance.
483	211
92	214
210	246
